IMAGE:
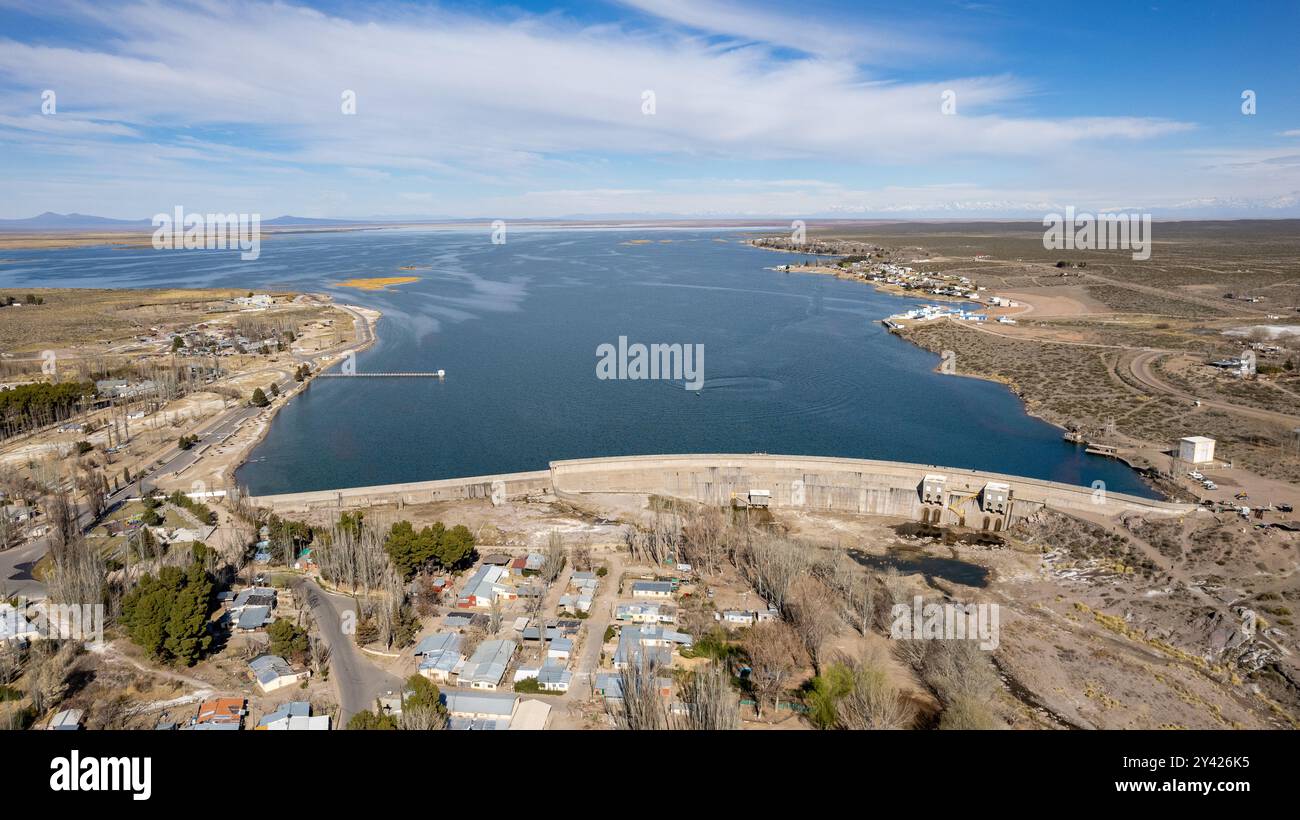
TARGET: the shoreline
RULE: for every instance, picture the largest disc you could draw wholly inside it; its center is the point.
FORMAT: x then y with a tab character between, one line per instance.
901	333
370	318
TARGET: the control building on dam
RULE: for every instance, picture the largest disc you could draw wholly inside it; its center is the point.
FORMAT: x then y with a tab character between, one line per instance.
933	495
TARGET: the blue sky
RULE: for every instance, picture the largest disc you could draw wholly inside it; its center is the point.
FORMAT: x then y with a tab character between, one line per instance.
761	109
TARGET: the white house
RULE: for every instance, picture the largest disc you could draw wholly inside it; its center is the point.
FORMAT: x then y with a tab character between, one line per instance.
559	649
271	672
738	617
440	656
487	584
652	589
487	666
648	613
480	705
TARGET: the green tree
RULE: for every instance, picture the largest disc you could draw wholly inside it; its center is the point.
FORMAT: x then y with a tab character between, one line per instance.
287	640
825	692
456	547
259	398
167	615
371	720
410	549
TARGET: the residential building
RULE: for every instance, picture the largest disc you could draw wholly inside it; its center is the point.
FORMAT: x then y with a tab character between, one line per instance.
553	677
294	716
497	706
253	618
440	656
654	644
67	720
271	672
486	668
652	589
530	715
559	649
221	712
488	583
646	613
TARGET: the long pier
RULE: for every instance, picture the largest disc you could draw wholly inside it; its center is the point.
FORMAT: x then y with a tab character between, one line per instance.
437	374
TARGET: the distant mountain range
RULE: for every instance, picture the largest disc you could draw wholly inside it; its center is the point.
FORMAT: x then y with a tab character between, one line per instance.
50	221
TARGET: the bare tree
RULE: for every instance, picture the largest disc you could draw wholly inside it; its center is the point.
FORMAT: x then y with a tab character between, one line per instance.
473	636
495	616
863	602
709	700
772	563
11	662
965	680
581	554
641	707
657	543
94	486
77	572
811	609
704	539
47	674
874	701
422	719
775	653
318	656
555	557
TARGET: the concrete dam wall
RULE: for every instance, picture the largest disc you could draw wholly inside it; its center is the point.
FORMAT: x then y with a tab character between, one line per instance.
938	495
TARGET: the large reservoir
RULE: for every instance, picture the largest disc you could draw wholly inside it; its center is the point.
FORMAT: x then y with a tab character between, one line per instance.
792	363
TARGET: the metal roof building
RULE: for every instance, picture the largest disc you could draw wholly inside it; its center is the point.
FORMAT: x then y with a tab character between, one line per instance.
486	668
490	705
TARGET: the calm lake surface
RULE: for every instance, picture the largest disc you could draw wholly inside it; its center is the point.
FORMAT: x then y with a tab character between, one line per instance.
794	363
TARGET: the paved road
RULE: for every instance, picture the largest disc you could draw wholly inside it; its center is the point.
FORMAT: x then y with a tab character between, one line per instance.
16	563
357	681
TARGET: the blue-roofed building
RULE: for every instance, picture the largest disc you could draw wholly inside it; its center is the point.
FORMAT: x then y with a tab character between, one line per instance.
252	618
559	649
459	724
440	656
461	703
654	644
271	672
554	678
294	716
487	666
652	589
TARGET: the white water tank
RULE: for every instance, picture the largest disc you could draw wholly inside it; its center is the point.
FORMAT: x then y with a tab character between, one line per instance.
1196	449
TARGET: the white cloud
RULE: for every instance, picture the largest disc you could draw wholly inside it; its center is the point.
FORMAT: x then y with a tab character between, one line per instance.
235	98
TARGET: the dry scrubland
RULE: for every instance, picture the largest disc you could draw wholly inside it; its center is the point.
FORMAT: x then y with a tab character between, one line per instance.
76	316
1069	355
1135	623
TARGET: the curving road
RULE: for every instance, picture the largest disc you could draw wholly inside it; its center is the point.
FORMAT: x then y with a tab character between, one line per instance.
1143	370
357	682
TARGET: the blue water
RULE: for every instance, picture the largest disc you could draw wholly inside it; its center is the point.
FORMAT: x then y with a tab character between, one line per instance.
794	363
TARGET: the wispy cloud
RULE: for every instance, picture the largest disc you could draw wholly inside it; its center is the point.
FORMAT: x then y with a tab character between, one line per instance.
483	110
